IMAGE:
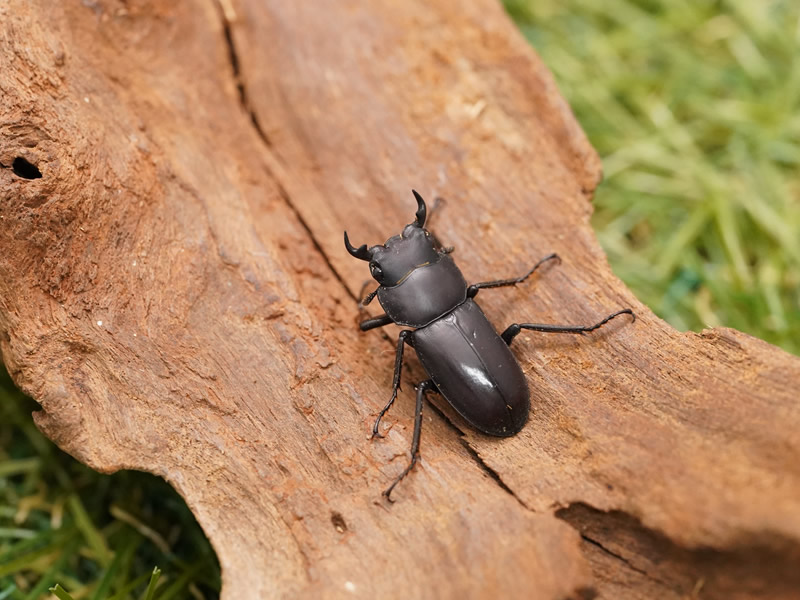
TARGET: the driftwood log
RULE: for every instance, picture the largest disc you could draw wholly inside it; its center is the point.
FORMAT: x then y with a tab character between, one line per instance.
175	293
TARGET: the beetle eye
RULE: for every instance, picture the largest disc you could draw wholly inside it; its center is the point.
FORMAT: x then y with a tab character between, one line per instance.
377	272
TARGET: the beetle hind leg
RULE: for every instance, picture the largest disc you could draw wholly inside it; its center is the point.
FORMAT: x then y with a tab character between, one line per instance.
515	328
421	389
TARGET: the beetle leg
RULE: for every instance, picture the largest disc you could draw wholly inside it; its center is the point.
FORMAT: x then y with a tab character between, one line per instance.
513	330
438	202
402	340
473	290
421	389
374	322
369	297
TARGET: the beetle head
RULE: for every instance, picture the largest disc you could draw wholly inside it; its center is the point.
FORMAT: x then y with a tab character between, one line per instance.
393	261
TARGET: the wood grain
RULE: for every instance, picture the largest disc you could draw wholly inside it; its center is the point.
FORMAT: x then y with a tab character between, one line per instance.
175	294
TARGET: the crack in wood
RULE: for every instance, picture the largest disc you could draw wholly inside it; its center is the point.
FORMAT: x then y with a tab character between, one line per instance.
238	77
490	471
242	88
630	565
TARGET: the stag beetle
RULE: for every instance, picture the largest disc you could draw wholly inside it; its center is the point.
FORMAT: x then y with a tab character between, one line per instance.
421	287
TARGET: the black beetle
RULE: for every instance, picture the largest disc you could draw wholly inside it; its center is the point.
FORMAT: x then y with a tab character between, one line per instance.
467	362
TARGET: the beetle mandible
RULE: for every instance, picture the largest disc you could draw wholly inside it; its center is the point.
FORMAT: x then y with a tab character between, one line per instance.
467	362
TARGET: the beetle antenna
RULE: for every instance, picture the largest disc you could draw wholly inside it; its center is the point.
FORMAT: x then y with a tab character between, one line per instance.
361	252
421	210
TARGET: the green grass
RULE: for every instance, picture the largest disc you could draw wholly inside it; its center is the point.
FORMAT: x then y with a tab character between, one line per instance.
694	106
95	536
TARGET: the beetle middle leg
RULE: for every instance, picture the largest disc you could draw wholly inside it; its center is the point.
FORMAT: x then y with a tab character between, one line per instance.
403	339
421	389
473	290
515	328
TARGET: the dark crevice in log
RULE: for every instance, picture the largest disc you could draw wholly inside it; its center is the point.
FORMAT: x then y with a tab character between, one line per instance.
751	568
233	58
614	555
285	195
262	134
242	88
491	472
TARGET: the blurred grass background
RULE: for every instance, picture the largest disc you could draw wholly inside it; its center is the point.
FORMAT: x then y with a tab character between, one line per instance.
98	536
693	106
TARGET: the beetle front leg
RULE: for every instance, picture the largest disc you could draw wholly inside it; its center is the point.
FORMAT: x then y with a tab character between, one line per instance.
374	322
515	328
473	290
403	339
421	389
369	297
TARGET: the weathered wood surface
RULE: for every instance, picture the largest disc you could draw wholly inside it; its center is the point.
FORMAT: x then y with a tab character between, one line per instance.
175	294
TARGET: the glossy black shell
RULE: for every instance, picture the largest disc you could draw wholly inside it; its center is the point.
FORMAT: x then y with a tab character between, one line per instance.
475	370
470	364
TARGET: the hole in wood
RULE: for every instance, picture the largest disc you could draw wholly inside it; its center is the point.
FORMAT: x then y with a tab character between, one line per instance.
338	522
22	168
